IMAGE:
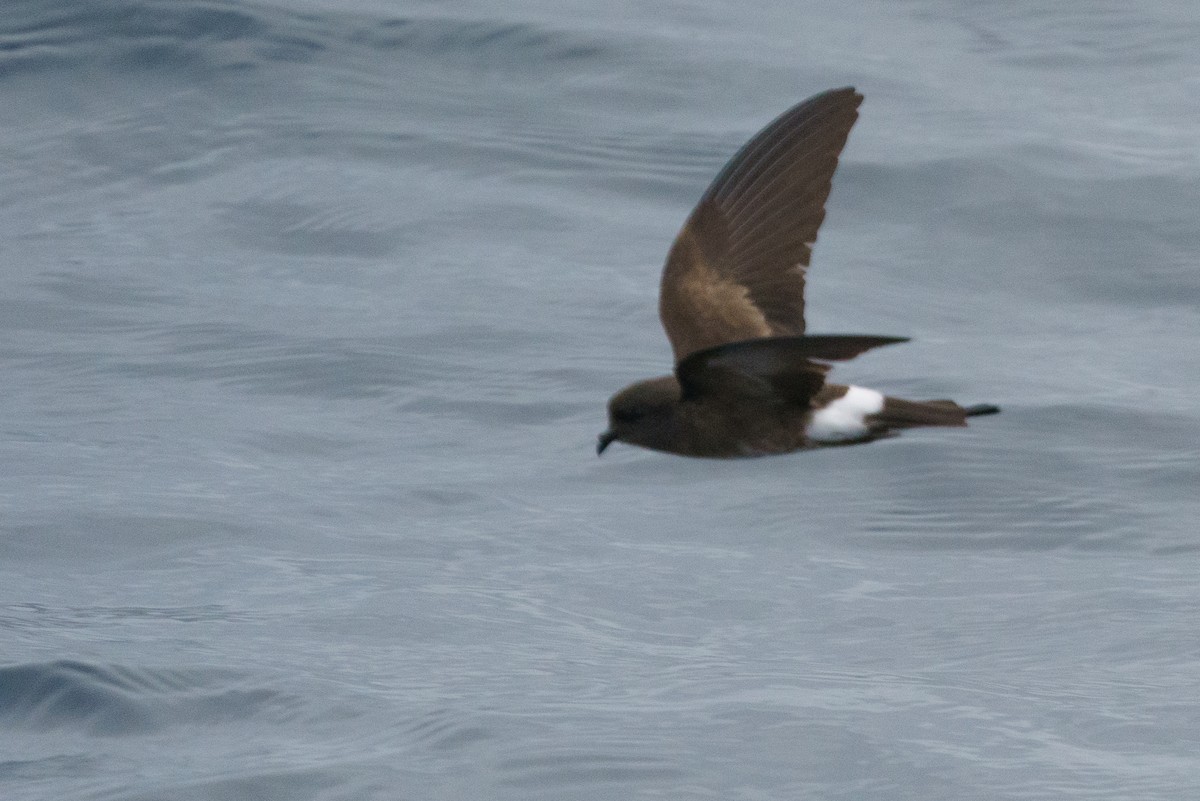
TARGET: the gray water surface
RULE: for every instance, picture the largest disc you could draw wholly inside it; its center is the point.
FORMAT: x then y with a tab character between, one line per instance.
308	316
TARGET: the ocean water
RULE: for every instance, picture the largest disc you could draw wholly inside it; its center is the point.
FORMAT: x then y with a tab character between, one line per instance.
309	312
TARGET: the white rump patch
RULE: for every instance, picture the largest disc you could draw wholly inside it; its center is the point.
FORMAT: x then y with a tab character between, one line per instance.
845	418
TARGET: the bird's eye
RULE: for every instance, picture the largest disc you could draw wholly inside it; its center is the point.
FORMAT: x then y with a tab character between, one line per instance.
627	415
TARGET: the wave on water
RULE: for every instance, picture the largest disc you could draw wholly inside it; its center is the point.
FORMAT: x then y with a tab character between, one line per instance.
235	35
111	700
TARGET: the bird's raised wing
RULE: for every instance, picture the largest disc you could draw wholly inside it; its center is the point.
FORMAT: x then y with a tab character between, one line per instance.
784	369
736	270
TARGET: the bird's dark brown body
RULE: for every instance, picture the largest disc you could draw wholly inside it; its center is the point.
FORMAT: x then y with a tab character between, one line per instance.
715	429
748	381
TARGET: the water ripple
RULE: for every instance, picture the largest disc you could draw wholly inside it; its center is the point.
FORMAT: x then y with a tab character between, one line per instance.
110	700
205	36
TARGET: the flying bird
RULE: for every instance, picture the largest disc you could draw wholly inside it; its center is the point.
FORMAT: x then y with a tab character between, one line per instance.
748	380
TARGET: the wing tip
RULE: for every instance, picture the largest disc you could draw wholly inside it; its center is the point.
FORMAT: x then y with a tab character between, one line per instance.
848	92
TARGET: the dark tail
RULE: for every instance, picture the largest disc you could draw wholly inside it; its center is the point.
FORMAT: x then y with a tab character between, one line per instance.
899	413
981	409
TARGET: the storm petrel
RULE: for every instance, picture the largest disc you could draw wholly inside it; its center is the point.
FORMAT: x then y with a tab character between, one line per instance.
748	381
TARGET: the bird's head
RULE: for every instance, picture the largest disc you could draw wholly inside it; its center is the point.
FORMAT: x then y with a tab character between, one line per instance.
645	414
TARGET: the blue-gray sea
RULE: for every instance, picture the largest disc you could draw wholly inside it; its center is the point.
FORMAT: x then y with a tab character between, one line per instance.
309	311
